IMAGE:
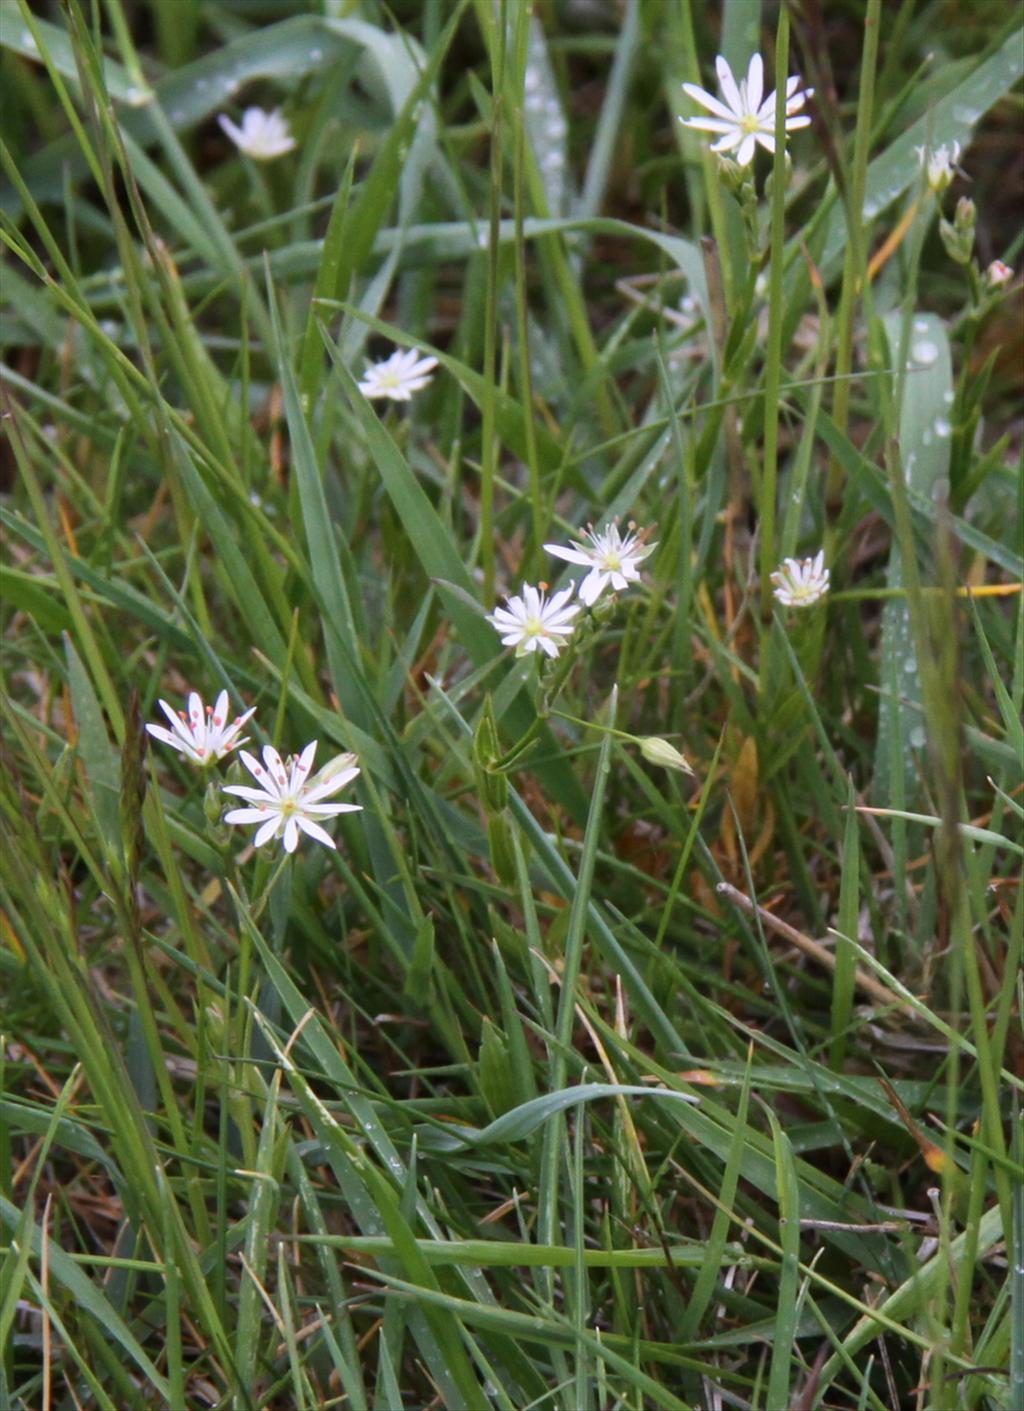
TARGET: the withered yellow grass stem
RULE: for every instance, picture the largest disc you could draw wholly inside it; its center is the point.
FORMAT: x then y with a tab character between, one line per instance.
814	949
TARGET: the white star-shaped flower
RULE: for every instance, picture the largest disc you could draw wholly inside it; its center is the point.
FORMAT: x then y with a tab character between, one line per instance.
262	136
398	377
939	165
535	621
610	558
743	118
801	582
205	734
287	799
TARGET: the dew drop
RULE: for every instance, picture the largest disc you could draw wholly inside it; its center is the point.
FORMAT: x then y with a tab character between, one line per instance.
921	325
949	397
917	737
315	55
942	427
910	666
924	352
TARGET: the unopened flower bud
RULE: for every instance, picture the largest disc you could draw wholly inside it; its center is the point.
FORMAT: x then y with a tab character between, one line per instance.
958	236
213	804
491	783
966	215
503	857
658	751
997	275
732	176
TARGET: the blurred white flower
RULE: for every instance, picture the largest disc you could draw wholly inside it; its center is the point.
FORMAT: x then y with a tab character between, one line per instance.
534	620
610	558
398	377
262	135
938	164
998	274
205	734
288	800
743	118
801	582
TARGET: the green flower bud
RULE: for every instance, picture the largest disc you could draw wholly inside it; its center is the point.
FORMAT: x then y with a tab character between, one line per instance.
958	237
503	857
658	751
213	803
732	176
491	784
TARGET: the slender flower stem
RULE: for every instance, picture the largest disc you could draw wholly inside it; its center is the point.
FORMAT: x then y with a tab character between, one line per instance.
853	262
489	456
521	34
709	187
773	353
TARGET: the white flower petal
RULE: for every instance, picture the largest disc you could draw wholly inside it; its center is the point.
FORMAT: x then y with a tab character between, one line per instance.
730	91
249	815
167	738
331	785
755	81
592	587
242	791
313	830
707	100
268	831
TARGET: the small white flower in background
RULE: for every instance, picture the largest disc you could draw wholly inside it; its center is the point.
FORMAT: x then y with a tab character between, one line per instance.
744	119
262	135
610	558
533	621
938	164
287	799
801	582
998	274
205	734
399	376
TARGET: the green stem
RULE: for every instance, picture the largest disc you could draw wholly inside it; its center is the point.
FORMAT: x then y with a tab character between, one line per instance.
489	456
773	353
853	261
522	20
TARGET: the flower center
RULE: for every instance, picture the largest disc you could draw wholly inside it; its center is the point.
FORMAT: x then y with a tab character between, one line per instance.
612	561
750	122
533	627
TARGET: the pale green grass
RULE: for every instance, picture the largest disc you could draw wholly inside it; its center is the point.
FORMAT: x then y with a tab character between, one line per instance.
566	1082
